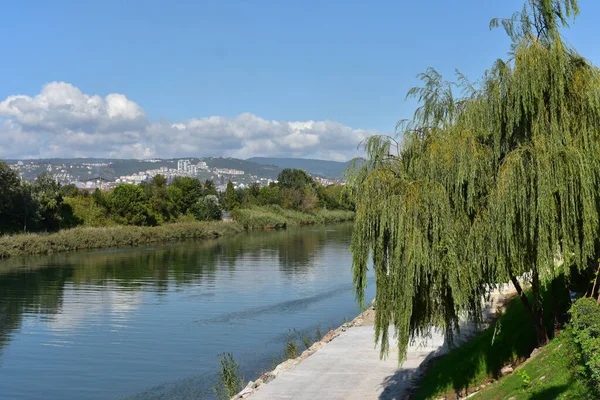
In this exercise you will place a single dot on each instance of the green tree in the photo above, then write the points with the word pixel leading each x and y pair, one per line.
pixel 69 190
pixel 184 192
pixel 10 187
pixel 48 195
pixel 209 188
pixel 291 198
pixel 231 199
pixel 299 189
pixel 309 200
pixel 335 197
pixel 207 209
pixel 160 203
pixel 86 211
pixel 18 210
pixel 270 194
pixel 295 179
pixel 28 210
pixel 254 190
pixel 127 204
pixel 99 198
pixel 488 187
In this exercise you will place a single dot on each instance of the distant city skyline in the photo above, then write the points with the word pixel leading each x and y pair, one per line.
pixel 146 79
pixel 87 174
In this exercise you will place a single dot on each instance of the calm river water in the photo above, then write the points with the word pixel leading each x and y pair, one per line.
pixel 149 323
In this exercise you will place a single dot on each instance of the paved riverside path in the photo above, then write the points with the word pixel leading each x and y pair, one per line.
pixel 349 367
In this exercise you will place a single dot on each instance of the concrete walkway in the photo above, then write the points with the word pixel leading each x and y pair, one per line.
pixel 349 368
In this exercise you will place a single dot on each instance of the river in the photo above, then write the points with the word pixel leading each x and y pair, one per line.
pixel 150 322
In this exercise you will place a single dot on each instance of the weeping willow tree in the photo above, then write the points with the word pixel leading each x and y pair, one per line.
pixel 495 183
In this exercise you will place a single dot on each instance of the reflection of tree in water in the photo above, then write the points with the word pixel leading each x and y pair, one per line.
pixel 36 284
pixel 296 249
pixel 39 289
pixel 30 292
pixel 299 252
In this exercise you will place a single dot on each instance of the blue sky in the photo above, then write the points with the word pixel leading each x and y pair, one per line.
pixel 347 62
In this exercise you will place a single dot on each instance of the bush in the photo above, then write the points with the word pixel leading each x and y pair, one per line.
pixel 585 323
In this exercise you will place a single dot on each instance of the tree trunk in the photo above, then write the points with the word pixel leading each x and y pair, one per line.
pixel 595 281
pixel 555 308
pixel 539 309
pixel 538 323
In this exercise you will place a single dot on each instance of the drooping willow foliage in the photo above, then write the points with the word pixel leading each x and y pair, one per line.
pixel 497 182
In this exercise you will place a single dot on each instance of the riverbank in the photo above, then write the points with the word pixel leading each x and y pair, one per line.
pixel 89 238
pixel 92 238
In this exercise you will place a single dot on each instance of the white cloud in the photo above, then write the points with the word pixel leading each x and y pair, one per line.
pixel 62 121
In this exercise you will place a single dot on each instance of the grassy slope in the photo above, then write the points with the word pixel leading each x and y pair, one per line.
pixel 465 368
pixel 550 375
pixel 509 340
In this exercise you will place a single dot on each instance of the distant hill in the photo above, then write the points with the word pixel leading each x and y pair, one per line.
pixel 326 169
pixel 249 166
pixel 111 168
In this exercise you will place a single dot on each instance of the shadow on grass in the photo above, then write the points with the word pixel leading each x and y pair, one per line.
pixel 511 338
pixel 395 385
pixel 553 392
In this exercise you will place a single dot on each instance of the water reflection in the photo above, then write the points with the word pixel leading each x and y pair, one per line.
pixel 137 317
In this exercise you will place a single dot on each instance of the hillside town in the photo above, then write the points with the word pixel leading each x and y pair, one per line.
pixel 99 175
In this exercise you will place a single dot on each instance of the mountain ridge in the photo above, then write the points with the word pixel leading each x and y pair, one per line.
pixel 323 168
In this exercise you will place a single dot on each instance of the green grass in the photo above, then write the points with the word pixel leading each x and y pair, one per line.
pixel 275 217
pixel 479 360
pixel 462 370
pixel 85 238
pixel 550 375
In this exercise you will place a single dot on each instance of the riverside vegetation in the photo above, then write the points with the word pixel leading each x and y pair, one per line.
pixel 45 217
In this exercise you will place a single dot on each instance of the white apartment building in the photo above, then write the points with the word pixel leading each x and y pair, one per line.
pixel 182 165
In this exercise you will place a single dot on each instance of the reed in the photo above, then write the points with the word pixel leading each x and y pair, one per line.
pixel 86 238
pixel 276 217
pixel 229 378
